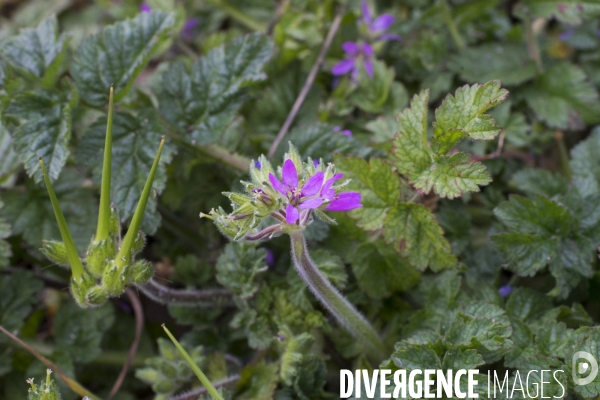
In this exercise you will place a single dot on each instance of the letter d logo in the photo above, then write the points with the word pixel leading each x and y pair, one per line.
pixel 580 368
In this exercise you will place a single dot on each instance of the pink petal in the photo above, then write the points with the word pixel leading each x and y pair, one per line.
pixel 313 185
pixel 347 132
pixel 343 67
pixel 345 202
pixel 351 48
pixel 291 214
pixel 277 185
pixel 382 23
pixel 369 67
pixel 326 191
pixel 310 204
pixel 366 12
pixel 289 176
pixel 367 49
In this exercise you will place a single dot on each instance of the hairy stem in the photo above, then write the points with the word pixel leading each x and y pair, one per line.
pixel 458 40
pixel 192 298
pixel 331 298
pixel 193 394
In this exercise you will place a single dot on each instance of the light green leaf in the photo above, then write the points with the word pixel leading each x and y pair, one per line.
pixel 539 215
pixel 480 333
pixel 117 55
pixel 376 182
pixel 383 129
pixel 585 339
pixel 373 92
pixel 238 266
pixel 526 253
pixel 527 305
pixel 380 272
pixel 414 233
pixel 411 154
pixel 585 166
pixel 38 52
pixel 540 182
pixel 44 131
pixel 571 12
pixel 417 356
pixel 564 98
pixel 20 291
pixel 456 359
pixel 464 115
pixel 135 140
pixel 9 162
pixel 452 176
pixel 203 102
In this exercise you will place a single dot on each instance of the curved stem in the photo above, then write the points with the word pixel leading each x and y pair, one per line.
pixel 458 40
pixel 181 297
pixel 331 298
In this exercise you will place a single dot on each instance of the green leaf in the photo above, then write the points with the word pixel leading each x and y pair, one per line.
pixel 564 98
pixel 541 182
pixel 383 129
pixel 414 233
pixel 508 63
pixel 20 291
pixel 373 92
pixel 38 52
pixel 117 55
pixel 30 212
pixel 527 305
pixel 571 12
pixel 453 176
pixel 258 381
pixel 378 185
pixel 237 267
pixel 456 359
pixel 585 339
pixel 526 253
pixel 411 154
pixel 484 334
pixel 203 102
pixel 79 331
pixel 5 251
pixel 135 140
pixel 464 115
pixel 538 216
pixel 584 164
pixel 9 162
pixel 417 356
pixel 380 272
pixel 44 131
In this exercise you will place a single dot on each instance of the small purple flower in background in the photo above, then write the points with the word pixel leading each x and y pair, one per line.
pixel 379 25
pixel 358 53
pixel 505 290
pixel 257 164
pixel 346 132
pixel 270 258
pixel 566 35
pixel 188 29
pixel 145 8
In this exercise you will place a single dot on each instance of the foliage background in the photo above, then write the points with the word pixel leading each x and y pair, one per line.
pixel 512 271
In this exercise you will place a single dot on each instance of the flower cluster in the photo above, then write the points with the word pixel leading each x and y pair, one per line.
pixel 301 191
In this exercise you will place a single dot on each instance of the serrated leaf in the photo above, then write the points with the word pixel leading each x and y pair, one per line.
pixel 456 359
pixel 30 211
pixel 79 331
pixel 527 305
pixel 584 339
pixel 203 102
pixel 36 51
pixel 135 140
pixel 571 12
pixel 373 92
pixel 464 115
pixel 414 233
pixel 378 185
pixel 470 332
pixel 508 63
pixel 540 182
pixel 44 131
pixel 526 253
pixel 20 291
pixel 380 272
pixel 452 176
pixel 564 98
pixel 411 153
pixel 418 356
pixel 584 164
pixel 5 231
pixel 117 55
pixel 383 129
pixel 9 162
pixel 539 216
pixel 237 267
pixel 258 381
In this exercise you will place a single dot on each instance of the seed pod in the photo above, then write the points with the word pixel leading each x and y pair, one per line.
pixel 99 254
pixel 113 280
pixel 148 375
pixel 140 272
pixel 163 386
pixel 80 287
pixel 56 252
pixel 96 296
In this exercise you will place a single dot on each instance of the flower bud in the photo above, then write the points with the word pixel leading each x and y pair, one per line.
pixel 80 287
pixel 113 280
pixel 99 254
pixel 56 252
pixel 46 391
pixel 96 296
pixel 167 350
pixel 138 243
pixel 148 375
pixel 163 386
pixel 140 272
pixel 114 227
pixel 167 369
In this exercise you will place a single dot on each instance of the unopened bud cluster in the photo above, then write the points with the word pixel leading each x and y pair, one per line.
pixel 44 391
pixel 169 372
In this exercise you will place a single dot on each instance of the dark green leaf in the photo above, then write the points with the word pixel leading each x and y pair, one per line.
pixel 20 291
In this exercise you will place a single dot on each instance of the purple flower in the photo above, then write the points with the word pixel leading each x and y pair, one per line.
pixel 346 132
pixel 270 258
pixel 505 290
pixel 314 193
pixel 379 25
pixel 357 54
pixel 188 29
pixel 257 164
pixel 145 8
pixel 566 35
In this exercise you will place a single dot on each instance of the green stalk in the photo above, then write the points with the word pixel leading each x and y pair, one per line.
pixel 331 298
pixel 123 257
pixel 104 210
pixel 203 379
pixel 458 40
pixel 72 256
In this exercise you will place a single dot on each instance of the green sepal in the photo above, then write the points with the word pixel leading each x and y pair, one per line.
pixel 46 391
pixel 140 272
pixel 56 252
pixel 261 175
pixel 124 255
pixel 113 279
pixel 324 217
pixel 163 386
pixel 139 243
pixel 148 375
pixel 80 287
pixel 96 296
pixel 99 254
